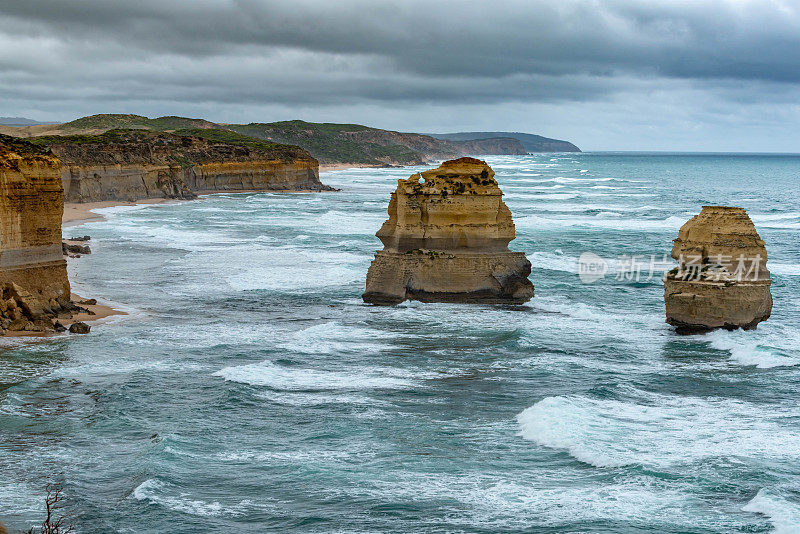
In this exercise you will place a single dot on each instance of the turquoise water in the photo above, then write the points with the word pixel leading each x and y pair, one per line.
pixel 250 390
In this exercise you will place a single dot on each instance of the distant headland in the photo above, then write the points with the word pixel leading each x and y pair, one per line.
pixel 531 142
pixel 331 144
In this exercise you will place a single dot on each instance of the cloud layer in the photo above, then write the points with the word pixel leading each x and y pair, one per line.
pixel 658 68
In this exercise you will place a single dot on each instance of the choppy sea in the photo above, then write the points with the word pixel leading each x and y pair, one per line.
pixel 250 390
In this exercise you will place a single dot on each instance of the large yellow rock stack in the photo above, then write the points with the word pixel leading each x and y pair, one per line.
pixel 447 240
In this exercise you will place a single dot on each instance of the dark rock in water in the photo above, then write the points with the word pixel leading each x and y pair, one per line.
pixel 79 328
pixel 59 327
pixel 84 238
pixel 66 248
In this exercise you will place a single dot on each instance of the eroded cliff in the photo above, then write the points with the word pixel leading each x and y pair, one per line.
pixel 33 274
pixel 722 280
pixel 446 239
pixel 135 164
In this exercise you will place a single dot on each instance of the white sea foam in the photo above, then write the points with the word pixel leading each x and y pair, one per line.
pixel 535 221
pixel 19 497
pixel 171 235
pixel 281 377
pixel 154 491
pixel 337 338
pixel 762 217
pixel 291 268
pixel 788 220
pixel 784 269
pixel 782 513
pixel 554 261
pixel 547 500
pixel 745 350
pixel 159 493
pixel 300 398
pixel 660 431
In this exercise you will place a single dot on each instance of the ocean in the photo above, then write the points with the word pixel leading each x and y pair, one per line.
pixel 250 390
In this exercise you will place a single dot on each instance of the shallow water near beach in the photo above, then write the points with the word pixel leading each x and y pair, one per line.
pixel 251 390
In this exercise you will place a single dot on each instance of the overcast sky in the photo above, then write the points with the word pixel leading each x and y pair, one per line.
pixel 706 75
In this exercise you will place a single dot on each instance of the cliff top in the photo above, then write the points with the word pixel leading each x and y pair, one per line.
pixel 9 143
pixel 327 142
pixel 184 148
pixel 129 121
pixel 14 150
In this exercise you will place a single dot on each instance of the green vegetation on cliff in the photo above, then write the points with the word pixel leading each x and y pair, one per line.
pixel 327 142
pixel 334 143
pixel 232 138
pixel 10 143
pixel 184 148
pixel 137 122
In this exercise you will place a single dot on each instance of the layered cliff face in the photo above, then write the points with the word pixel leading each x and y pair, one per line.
pixel 133 164
pixel 33 273
pixel 446 240
pixel 722 280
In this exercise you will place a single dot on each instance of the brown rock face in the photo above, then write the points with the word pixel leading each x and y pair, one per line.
pixel 31 205
pixel 722 279
pixel 446 240
pixel 133 165
pixel 33 273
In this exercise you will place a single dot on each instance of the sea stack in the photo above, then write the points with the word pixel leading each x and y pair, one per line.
pixel 446 240
pixel 722 279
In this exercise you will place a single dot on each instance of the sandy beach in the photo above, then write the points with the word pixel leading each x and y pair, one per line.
pixel 76 213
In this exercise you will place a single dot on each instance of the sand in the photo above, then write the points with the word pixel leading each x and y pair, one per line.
pixel 79 213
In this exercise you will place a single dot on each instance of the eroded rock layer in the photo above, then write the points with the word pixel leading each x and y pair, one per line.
pixel 132 165
pixel 722 280
pixel 446 240
pixel 33 273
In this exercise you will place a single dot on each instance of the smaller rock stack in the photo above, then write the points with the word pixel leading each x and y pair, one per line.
pixel 446 240
pixel 722 279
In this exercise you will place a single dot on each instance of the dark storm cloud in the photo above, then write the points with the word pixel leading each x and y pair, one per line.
pixel 238 58
pixel 722 38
